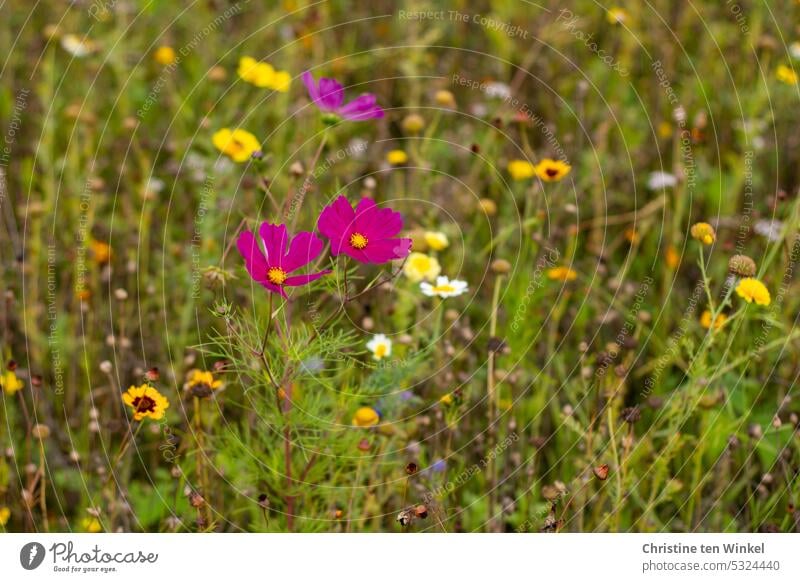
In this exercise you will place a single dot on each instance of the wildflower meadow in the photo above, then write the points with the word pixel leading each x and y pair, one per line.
pixel 332 266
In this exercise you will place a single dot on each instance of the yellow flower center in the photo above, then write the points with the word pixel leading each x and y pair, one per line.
pixel 380 351
pixel 276 275
pixel 358 241
pixel 235 146
pixel 444 289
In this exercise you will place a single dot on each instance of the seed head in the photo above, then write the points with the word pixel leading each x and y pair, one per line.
pixel 742 265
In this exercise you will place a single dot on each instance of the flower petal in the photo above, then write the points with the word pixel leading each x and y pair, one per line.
pixel 382 251
pixel 358 105
pixel 377 223
pixel 336 219
pixel 373 113
pixel 331 94
pixel 253 256
pixel 304 248
pixel 311 85
pixel 298 280
pixel 275 238
pixel 275 288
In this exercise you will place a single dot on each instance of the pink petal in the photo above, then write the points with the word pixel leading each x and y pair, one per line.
pixel 338 245
pixel 275 239
pixel 377 223
pixel 305 247
pixel 254 259
pixel 380 251
pixel 365 205
pixel 358 105
pixel 385 250
pixel 274 288
pixel 336 219
pixel 381 223
pixel 311 85
pixel 298 280
pixel 331 94
pixel 373 113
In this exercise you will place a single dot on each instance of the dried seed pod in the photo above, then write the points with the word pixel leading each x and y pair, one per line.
pixel 40 431
pixel 631 414
pixel 742 265
pixel 500 266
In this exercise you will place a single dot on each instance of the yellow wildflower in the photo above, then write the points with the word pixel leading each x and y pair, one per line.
pixel 616 15
pixel 91 525
pixel 10 383
pixel 436 240
pixel 101 252
pixel 238 144
pixel 552 170
pixel 5 515
pixel 165 55
pixel 397 157
pixel 719 321
pixel 751 289
pixel 420 266
pixel 672 257
pixel 146 401
pixel 786 75
pixel 263 75
pixel 703 232
pixel 281 81
pixel 446 400
pixel 561 274
pixel 256 73
pixel 521 169
pixel 366 416
pixel 201 379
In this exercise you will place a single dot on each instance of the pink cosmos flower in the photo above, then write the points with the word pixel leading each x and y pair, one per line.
pixel 329 97
pixel 269 262
pixel 364 234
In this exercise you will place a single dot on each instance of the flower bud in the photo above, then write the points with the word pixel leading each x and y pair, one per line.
pixel 413 123
pixel 445 98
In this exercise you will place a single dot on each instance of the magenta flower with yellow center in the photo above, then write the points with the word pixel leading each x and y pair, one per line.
pixel 365 233
pixel 328 96
pixel 271 261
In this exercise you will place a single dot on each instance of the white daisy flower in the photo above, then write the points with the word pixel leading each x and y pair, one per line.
pixel 380 346
pixel 444 288
pixel 77 46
